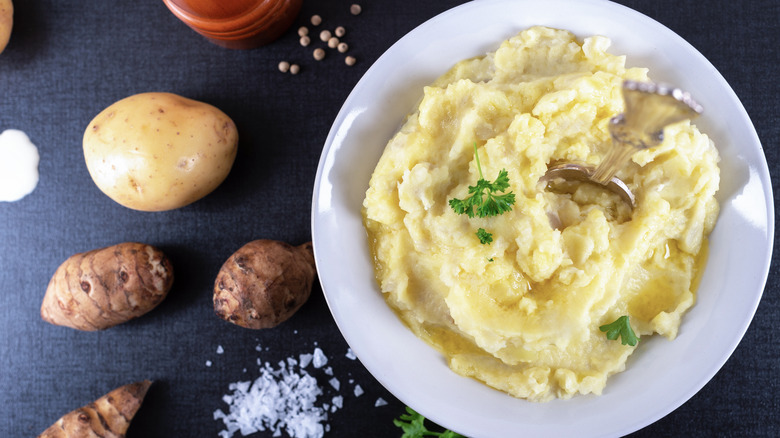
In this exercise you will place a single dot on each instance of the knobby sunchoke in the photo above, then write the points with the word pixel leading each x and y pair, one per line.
pixel 107 417
pixel 104 287
pixel 264 283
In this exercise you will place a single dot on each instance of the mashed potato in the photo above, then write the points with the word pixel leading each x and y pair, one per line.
pixel 522 314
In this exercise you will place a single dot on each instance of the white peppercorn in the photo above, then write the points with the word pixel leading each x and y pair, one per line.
pixel 294 69
pixel 284 66
pixel 305 40
pixel 333 42
pixel 340 31
pixel 319 54
pixel 349 60
pixel 316 20
pixel 303 31
pixel 342 47
pixel 355 9
pixel 325 35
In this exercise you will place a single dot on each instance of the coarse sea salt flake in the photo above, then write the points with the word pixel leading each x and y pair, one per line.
pixel 351 354
pixel 380 402
pixel 279 400
pixel 358 391
pixel 319 359
pixel 334 382
pixel 220 350
pixel 305 359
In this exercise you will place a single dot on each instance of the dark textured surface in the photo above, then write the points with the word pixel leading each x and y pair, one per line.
pixel 68 60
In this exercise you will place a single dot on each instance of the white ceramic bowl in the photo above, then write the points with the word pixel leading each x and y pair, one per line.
pixel 661 374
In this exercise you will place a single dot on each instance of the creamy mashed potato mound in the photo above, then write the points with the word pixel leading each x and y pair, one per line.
pixel 522 314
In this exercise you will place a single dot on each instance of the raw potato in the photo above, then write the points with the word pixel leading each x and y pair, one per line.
pixel 264 283
pixel 159 151
pixel 6 22
pixel 107 417
pixel 104 287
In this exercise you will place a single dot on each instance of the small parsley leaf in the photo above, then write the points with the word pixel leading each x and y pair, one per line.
pixel 484 236
pixel 620 327
pixel 484 199
pixel 413 426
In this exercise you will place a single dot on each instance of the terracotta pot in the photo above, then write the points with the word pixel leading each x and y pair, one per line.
pixel 237 24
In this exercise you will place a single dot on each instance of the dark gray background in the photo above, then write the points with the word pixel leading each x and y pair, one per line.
pixel 68 60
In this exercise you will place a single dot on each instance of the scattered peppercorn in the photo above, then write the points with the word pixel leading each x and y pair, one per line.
pixel 332 39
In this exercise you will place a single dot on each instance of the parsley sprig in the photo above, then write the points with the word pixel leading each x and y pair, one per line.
pixel 620 327
pixel 484 236
pixel 484 200
pixel 413 426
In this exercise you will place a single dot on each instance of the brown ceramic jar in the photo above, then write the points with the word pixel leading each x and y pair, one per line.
pixel 237 24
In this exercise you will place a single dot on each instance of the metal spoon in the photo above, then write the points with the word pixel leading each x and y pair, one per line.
pixel 648 109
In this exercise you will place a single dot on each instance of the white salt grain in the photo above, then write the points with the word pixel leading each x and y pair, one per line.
pixel 279 400
pixel 334 382
pixel 319 360
pixel 328 371
pixel 351 354
pixel 380 402
pixel 338 401
pixel 305 359
pixel 358 391
pixel 220 350
pixel 208 363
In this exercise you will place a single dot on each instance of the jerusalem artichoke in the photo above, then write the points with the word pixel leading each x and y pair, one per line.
pixel 264 283
pixel 104 287
pixel 107 417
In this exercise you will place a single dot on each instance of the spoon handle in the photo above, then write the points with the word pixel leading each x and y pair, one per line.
pixel 648 109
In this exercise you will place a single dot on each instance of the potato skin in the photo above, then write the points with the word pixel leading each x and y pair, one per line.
pixel 104 287
pixel 107 417
pixel 264 283
pixel 6 22
pixel 159 151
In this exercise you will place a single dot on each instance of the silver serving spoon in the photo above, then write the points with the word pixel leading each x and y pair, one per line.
pixel 648 109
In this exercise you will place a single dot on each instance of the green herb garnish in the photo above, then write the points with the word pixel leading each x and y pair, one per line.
pixel 484 200
pixel 413 426
pixel 620 327
pixel 484 236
